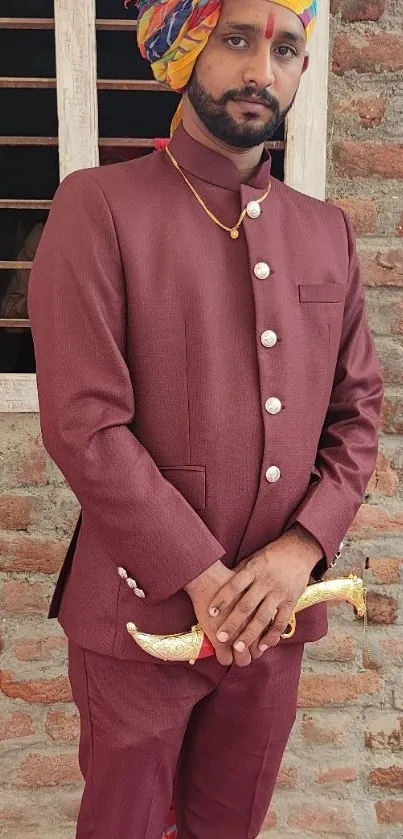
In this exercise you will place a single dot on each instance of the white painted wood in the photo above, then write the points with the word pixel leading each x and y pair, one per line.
pixel 306 130
pixel 76 72
pixel 18 393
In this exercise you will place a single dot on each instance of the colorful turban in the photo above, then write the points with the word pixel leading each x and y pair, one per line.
pixel 172 33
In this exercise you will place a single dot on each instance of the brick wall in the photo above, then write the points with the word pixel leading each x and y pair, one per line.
pixel 342 775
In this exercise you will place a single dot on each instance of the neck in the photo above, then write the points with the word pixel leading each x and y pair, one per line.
pixel 246 160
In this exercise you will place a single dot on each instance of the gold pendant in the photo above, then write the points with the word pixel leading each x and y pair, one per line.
pixel 234 233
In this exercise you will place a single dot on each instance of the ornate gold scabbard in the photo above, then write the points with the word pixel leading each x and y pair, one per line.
pixel 193 645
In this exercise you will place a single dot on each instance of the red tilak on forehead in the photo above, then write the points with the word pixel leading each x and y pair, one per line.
pixel 269 26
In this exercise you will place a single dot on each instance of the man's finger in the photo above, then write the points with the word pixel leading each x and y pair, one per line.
pixel 224 655
pixel 279 625
pixel 259 623
pixel 240 616
pixel 242 659
pixel 230 592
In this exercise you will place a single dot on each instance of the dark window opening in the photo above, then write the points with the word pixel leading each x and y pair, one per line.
pixel 29 167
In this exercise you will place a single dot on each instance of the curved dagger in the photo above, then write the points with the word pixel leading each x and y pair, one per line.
pixel 193 645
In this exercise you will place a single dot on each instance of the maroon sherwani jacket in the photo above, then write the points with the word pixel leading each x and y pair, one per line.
pixel 160 345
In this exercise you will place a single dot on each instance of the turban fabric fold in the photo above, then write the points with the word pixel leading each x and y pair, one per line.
pixel 172 33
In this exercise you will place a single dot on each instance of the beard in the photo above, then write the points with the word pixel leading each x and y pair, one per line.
pixel 214 115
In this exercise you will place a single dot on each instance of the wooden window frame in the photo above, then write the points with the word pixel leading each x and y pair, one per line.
pixel 77 106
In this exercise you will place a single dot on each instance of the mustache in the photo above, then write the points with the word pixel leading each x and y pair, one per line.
pixel 262 97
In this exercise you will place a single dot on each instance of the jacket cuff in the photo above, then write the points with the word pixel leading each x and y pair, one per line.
pixel 331 549
pixel 175 570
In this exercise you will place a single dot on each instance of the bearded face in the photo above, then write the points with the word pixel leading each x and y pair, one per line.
pixel 246 78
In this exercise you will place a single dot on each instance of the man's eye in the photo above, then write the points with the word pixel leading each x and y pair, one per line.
pixel 286 52
pixel 236 42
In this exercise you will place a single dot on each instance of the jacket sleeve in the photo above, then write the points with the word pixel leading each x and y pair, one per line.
pixel 349 442
pixel 77 308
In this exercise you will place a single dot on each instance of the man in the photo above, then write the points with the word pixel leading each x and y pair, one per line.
pixel 209 388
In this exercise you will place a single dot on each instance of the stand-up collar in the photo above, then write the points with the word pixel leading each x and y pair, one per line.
pixel 213 167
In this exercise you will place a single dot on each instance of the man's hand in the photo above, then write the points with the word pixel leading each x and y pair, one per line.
pixel 201 591
pixel 254 606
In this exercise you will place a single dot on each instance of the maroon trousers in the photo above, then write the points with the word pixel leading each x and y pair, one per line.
pixel 209 738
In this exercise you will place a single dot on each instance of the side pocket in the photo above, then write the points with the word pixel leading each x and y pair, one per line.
pixel 322 293
pixel 190 481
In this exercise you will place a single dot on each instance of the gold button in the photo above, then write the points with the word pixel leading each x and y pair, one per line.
pixel 253 209
pixel 273 474
pixel 262 270
pixel 269 338
pixel 273 405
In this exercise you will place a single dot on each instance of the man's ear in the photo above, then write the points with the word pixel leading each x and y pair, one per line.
pixel 305 64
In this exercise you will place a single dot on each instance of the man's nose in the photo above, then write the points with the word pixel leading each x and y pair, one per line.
pixel 259 71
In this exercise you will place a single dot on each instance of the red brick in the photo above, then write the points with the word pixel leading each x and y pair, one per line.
pixel 356 10
pixel 71 809
pixel 40 690
pixel 62 726
pixel 393 649
pixel 361 211
pixel 372 520
pixel 10 816
pixel 333 731
pixel 32 469
pixel 39 770
pixel 387 776
pixel 391 419
pixel 339 775
pixel 389 812
pixel 369 110
pixel 369 53
pixel 383 268
pixel 390 355
pixel 334 647
pixel 21 596
pixel 270 820
pixel 324 819
pixel 386 569
pixel 288 777
pixel 39 649
pixel 15 726
pixel 15 511
pixel 360 159
pixel 328 689
pixel 385 314
pixel 24 553
pixel 381 608
pixel 385 732
pixel 384 480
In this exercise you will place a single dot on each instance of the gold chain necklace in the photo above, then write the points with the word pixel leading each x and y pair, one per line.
pixel 233 231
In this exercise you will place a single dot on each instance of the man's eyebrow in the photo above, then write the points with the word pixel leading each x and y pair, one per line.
pixel 286 35
pixel 243 27
pixel 255 29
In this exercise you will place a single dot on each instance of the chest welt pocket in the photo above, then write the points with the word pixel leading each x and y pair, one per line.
pixel 190 481
pixel 322 293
